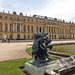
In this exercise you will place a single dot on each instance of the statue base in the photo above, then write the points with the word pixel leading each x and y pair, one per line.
pixel 39 69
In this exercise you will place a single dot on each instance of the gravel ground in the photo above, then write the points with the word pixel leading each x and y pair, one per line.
pixel 12 51
pixel 17 50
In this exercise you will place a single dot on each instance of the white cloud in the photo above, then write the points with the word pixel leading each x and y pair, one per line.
pixel 1 4
pixel 62 9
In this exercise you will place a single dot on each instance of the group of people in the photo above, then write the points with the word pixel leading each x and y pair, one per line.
pixel 40 46
pixel 5 40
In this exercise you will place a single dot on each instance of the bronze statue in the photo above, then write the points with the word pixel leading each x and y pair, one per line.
pixel 40 46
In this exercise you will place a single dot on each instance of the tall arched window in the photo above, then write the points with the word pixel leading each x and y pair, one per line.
pixel 32 37
pixel 40 29
pixel 24 28
pixel 28 28
pixel 28 37
pixel 11 37
pixel 43 29
pixel 49 29
pixel 24 36
pixel 0 17
pixel 0 36
pixel 32 29
pixel 18 36
pixel 18 27
pixel 0 26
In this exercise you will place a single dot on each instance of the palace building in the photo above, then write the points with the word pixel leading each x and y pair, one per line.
pixel 13 26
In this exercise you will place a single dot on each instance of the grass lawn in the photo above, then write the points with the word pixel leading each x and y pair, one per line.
pixel 13 67
pixel 66 49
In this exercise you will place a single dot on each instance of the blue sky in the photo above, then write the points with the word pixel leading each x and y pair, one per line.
pixel 61 9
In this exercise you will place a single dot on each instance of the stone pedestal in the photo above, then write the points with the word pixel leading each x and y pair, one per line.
pixel 40 70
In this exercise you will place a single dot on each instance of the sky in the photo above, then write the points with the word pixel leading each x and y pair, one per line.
pixel 61 9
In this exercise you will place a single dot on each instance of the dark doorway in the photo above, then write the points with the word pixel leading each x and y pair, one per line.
pixel 40 29
pixel 18 36
pixel 24 36
pixel 11 37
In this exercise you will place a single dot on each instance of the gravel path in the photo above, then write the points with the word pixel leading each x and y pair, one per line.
pixel 12 51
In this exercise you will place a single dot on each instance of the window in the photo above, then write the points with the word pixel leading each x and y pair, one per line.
pixel 24 19
pixel 5 17
pixel 40 29
pixel 10 18
pixel 31 28
pixel 0 17
pixel 28 37
pixel 43 21
pixel 18 28
pixel 28 28
pixel 18 36
pixel 40 21
pixel 37 21
pixel 43 29
pixel 24 28
pixel 48 23
pixel 31 20
pixel 28 20
pixel 17 19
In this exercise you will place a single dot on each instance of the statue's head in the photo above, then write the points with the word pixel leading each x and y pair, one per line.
pixel 48 40
pixel 36 35
pixel 39 34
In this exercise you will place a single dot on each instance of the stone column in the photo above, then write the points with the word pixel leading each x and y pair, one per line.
pixel 51 29
pixel 20 27
pixel 56 30
pixel 30 36
pixel 42 29
pixel 34 29
pixel 13 27
pixel 8 27
pixel 0 27
pixel 3 27
pixel 16 27
pixel 45 29
pixel 14 36
pixel 8 35
pixel 48 29
pixel 51 36
pixel 30 29
pixel 59 30
pixel 23 28
pixel 21 36
pixel 26 36
pixel 38 29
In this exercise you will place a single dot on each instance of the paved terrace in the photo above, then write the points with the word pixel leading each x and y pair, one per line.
pixel 17 49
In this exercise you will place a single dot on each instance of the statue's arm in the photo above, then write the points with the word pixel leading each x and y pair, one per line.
pixel 50 47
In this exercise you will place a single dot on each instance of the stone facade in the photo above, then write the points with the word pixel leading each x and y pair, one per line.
pixel 13 26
